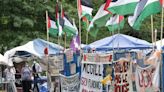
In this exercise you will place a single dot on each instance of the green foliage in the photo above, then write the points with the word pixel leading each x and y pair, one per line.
pixel 24 20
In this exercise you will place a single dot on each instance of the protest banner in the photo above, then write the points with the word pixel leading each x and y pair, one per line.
pixel 122 77
pixel 91 77
pixel 147 79
pixel 70 84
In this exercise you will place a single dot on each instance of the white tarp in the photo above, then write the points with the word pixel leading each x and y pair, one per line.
pixel 3 60
pixel 35 47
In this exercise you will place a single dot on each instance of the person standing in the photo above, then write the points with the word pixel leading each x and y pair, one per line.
pixel 26 75
pixel 37 69
pixel 10 78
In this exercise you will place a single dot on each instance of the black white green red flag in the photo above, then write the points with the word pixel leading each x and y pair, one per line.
pixel 68 26
pixel 100 18
pixel 162 3
pixel 52 27
pixel 121 7
pixel 85 9
pixel 115 23
pixel 143 9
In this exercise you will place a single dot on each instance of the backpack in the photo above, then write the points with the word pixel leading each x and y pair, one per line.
pixel 26 74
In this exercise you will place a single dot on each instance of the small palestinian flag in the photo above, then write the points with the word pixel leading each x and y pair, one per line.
pixel 85 8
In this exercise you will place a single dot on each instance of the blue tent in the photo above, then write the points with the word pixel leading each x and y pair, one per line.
pixel 119 41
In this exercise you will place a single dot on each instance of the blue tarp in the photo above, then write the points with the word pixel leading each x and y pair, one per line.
pixel 119 41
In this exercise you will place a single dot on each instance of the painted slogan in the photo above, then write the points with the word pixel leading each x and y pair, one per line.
pixel 147 79
pixel 91 77
pixel 70 84
pixel 122 80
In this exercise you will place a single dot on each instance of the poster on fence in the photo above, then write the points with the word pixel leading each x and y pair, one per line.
pixel 70 84
pixel 147 79
pixel 122 77
pixel 91 77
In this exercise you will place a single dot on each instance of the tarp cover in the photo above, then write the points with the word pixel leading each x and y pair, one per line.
pixel 119 41
pixel 35 47
pixel 2 60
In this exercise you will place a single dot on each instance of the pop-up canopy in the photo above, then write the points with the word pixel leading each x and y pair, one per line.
pixel 35 47
pixel 119 41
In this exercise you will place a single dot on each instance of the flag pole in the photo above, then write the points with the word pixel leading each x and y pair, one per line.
pixel 87 32
pixel 47 25
pixel 48 77
pixel 79 25
pixel 161 27
pixel 155 38
pixel 152 32
pixel 162 16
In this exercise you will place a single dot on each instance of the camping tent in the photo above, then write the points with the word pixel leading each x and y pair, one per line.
pixel 35 47
pixel 119 41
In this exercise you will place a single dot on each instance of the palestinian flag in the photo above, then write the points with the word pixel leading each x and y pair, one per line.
pixel 115 22
pixel 121 7
pixel 144 9
pixel 162 3
pixel 60 21
pixel 53 30
pixel 68 26
pixel 85 8
pixel 100 18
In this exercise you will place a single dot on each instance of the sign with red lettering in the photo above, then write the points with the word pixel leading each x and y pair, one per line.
pixel 91 77
pixel 147 79
pixel 122 78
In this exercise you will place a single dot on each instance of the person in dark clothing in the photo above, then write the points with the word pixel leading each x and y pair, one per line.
pixel 36 68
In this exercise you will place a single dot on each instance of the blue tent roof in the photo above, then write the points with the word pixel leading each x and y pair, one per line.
pixel 119 41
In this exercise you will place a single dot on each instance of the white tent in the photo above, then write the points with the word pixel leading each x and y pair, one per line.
pixel 158 44
pixel 35 47
pixel 3 60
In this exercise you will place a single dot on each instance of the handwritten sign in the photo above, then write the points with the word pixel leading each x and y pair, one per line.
pixel 122 78
pixel 91 77
pixel 70 84
pixel 147 79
